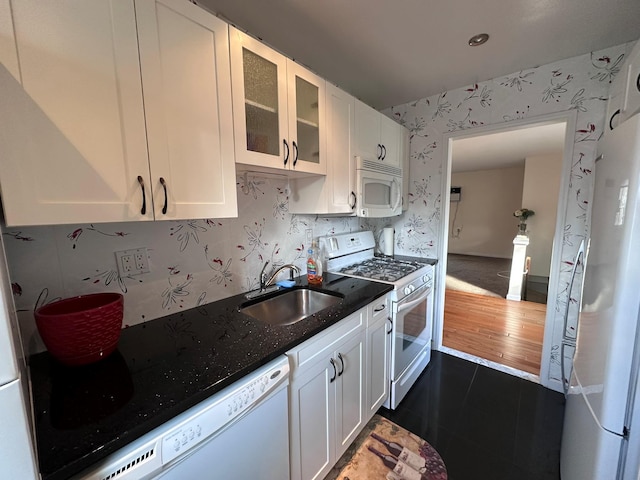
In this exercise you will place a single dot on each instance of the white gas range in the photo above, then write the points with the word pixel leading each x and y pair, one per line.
pixel 352 254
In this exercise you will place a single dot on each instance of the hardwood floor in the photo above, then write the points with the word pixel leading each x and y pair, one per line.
pixel 496 329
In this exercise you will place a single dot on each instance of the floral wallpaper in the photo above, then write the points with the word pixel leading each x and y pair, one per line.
pixel 580 83
pixel 193 262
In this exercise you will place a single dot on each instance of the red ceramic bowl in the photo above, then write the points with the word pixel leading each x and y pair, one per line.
pixel 82 329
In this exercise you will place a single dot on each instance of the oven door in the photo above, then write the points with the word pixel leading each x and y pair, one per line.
pixel 412 328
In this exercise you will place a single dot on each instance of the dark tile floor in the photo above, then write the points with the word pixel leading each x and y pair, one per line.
pixel 485 424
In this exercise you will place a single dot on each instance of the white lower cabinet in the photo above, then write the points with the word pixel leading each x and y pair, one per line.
pixel 339 379
pixel 377 354
pixel 327 397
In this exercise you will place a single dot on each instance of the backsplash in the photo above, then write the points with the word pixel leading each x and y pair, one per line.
pixel 200 261
pixel 579 83
pixel 192 262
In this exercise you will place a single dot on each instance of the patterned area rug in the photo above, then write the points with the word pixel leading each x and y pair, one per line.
pixel 385 451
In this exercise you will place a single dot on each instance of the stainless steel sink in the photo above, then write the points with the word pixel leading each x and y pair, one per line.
pixel 290 306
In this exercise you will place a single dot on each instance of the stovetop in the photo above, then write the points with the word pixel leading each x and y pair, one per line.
pixel 384 269
pixel 352 254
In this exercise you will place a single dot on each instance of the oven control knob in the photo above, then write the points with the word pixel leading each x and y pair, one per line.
pixel 426 278
pixel 407 290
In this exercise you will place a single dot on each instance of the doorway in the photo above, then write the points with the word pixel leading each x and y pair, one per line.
pixel 493 158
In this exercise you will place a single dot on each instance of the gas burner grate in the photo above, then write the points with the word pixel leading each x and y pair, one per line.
pixel 380 268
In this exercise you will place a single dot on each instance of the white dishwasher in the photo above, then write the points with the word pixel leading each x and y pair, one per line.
pixel 240 432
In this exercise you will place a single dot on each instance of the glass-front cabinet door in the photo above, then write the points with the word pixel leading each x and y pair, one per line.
pixel 278 109
pixel 259 89
pixel 306 119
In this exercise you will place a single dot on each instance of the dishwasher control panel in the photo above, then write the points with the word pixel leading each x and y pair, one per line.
pixel 224 409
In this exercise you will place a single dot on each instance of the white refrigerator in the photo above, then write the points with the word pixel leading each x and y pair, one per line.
pixel 17 452
pixel 599 439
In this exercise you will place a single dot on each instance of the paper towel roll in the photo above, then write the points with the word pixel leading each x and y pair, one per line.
pixel 387 241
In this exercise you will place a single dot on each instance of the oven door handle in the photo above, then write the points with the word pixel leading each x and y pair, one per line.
pixel 412 303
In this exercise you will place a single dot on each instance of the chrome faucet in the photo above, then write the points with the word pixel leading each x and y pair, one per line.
pixel 291 268
pixel 266 284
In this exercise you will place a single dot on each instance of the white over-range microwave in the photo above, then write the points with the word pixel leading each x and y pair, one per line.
pixel 379 189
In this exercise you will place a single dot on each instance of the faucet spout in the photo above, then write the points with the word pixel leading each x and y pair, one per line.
pixel 292 268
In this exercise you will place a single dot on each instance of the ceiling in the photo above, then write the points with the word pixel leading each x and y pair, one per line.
pixel 506 149
pixel 389 52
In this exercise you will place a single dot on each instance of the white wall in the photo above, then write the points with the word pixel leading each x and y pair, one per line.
pixel 482 223
pixel 540 194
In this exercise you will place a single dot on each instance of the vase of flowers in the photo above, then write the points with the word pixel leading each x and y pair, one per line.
pixel 522 215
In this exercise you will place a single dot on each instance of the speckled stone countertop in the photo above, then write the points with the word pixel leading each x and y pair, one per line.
pixel 160 369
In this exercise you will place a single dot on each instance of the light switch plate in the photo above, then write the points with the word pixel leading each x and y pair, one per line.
pixel 132 262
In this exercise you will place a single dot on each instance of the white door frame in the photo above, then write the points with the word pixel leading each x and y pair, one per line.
pixel 568 117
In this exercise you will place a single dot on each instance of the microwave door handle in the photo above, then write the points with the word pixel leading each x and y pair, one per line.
pixel 399 190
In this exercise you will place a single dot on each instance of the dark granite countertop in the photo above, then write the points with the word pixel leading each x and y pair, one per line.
pixel 160 369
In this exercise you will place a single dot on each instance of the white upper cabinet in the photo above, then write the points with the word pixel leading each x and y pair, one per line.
pixel 278 109
pixel 335 193
pixel 74 145
pixel 390 140
pixel 377 136
pixel 8 53
pixel 186 78
pixel 72 130
pixel 367 144
pixel 341 168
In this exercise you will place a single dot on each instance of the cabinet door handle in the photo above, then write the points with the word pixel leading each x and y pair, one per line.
pixel 353 205
pixel 384 152
pixel 143 210
pixel 379 309
pixel 342 363
pixel 335 371
pixel 617 112
pixel 286 155
pixel 390 325
pixel 379 152
pixel 164 185
pixel 295 153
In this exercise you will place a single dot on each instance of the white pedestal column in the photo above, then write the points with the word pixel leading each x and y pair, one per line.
pixel 517 267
